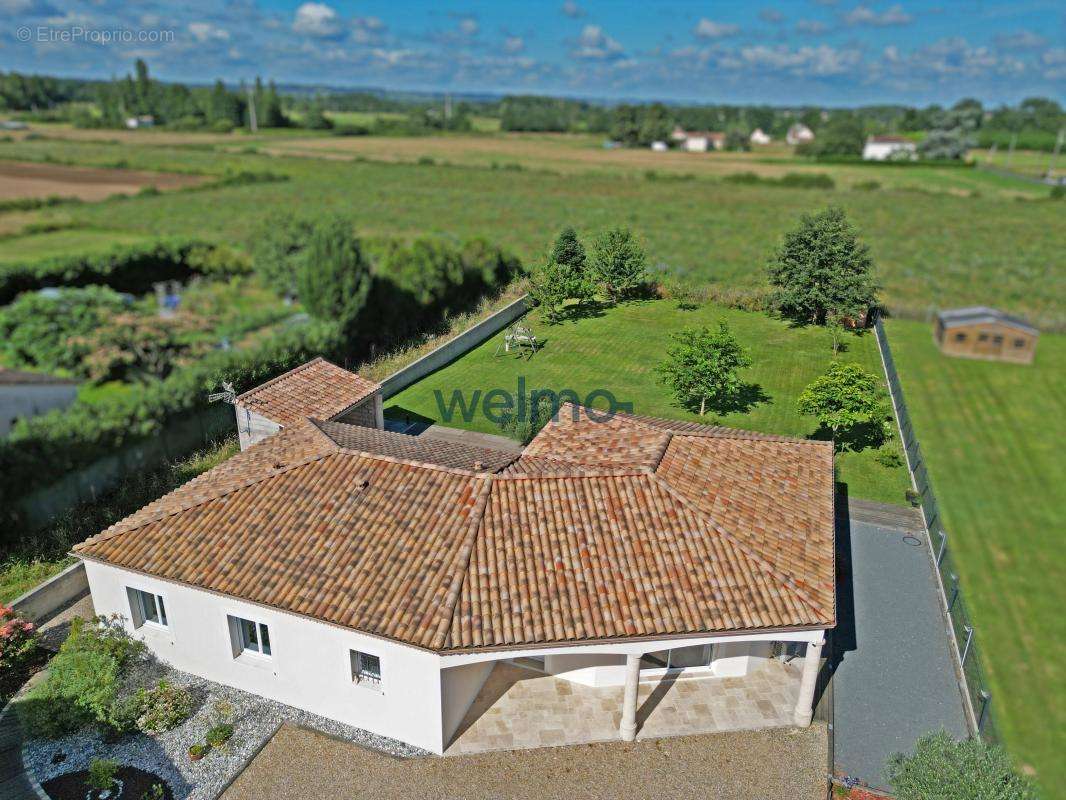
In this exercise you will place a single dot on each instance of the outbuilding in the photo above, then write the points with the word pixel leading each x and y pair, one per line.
pixel 27 394
pixel 889 148
pixel 983 332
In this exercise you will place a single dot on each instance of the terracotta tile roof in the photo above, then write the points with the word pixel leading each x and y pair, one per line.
pixel 318 389
pixel 632 530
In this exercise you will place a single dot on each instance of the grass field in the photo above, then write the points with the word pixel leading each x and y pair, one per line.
pixel 717 232
pixel 18 249
pixel 992 436
pixel 618 350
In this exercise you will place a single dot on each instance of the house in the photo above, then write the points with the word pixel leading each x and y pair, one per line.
pixel 698 141
pixel 758 136
pixel 146 121
pixel 27 394
pixel 381 579
pixel 317 388
pixel 889 148
pixel 982 332
pixel 798 133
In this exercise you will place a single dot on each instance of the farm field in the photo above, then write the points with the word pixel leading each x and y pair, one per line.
pixel 715 231
pixel 992 438
pixel 617 350
pixel 19 179
pixel 38 246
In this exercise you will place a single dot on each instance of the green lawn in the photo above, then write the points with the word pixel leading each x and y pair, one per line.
pixel 19 249
pixel 618 352
pixel 992 435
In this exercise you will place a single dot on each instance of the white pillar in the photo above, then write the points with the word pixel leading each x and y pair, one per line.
pixel 628 729
pixel 805 702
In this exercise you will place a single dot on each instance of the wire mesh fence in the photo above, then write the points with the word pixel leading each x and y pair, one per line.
pixel 967 646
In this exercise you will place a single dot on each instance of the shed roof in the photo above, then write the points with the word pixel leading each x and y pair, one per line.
pixel 977 314
pixel 628 528
pixel 318 389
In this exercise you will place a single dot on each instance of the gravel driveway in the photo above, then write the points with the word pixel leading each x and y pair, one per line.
pixel 301 764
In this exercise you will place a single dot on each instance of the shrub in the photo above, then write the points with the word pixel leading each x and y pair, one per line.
pixel 219 260
pixel 154 792
pixel 199 750
pixel 82 681
pixel 1058 192
pixel 102 774
pixel 807 180
pixel 162 708
pixel 334 277
pixel 867 186
pixel 889 458
pixel 18 640
pixel 219 735
pixel 943 768
pixel 532 415
pixel 618 263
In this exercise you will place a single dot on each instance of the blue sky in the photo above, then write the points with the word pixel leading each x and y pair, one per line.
pixel 834 52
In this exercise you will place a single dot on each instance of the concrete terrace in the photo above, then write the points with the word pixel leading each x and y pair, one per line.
pixel 520 708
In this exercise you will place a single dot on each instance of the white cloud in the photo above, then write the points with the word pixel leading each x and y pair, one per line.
pixel 514 44
pixel 595 45
pixel 864 15
pixel 206 32
pixel 572 9
pixel 1019 40
pixel 813 26
pixel 818 61
pixel 317 19
pixel 709 29
pixel 468 26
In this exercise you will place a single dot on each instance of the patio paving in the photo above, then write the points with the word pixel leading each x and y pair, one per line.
pixel 518 708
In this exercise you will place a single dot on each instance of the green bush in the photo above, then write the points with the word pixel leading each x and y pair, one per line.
pixel 945 769
pixel 807 180
pixel 219 735
pixel 130 268
pixel 159 709
pixel 101 774
pixel 83 680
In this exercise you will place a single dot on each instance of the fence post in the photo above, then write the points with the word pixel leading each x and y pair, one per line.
pixel 966 647
pixel 943 544
pixel 986 698
pixel 954 592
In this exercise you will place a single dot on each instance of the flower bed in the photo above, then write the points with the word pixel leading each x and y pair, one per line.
pixel 135 784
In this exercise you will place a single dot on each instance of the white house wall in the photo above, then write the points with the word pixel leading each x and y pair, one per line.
pixel 253 427
pixel 459 686
pixel 28 400
pixel 310 667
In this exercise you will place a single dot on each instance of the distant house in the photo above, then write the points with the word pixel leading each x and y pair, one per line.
pixel 758 136
pixel 698 141
pixel 146 121
pixel 982 332
pixel 799 134
pixel 27 394
pixel 889 148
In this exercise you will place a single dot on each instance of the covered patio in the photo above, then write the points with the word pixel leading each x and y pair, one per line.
pixel 518 707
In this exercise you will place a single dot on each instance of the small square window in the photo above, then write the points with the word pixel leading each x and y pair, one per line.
pixel 366 669
pixel 997 340
pixel 960 337
pixel 147 608
pixel 251 637
pixel 982 337
pixel 1019 343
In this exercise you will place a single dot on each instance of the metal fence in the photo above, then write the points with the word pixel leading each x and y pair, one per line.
pixel 967 648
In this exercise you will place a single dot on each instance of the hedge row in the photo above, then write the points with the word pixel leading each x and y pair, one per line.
pixel 129 268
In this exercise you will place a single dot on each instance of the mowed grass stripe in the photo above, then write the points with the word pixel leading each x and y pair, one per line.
pixel 992 436
pixel 619 350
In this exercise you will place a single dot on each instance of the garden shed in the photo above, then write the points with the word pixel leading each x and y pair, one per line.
pixel 982 332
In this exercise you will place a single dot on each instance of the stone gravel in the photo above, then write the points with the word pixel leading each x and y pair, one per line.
pixel 255 719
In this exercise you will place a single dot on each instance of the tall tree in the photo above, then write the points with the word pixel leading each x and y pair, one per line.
pixel 702 365
pixel 569 254
pixel 619 265
pixel 822 268
pixel 334 277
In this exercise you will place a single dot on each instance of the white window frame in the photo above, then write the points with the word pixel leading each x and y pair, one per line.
pixel 139 610
pixel 241 642
pixel 672 670
pixel 363 677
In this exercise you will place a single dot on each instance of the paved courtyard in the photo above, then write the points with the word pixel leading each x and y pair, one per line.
pixel 298 764
pixel 520 708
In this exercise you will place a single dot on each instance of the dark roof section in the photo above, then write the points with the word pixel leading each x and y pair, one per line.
pixel 19 377
pixel 977 314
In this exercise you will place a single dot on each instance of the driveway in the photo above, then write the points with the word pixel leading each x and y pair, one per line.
pixel 895 677
pixel 299 764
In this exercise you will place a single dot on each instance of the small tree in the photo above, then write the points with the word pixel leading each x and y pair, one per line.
pixel 845 397
pixel 334 279
pixel 278 247
pixel 948 770
pixel 569 254
pixel 701 368
pixel 549 288
pixel 822 268
pixel 618 263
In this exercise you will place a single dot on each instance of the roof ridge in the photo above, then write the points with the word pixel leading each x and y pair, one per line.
pixel 287 373
pixel 604 472
pixel 743 548
pixel 118 530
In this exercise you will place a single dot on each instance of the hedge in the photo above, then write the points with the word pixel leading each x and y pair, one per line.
pixel 129 268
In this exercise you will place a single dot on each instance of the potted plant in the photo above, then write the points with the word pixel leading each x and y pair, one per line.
pixel 198 751
pixel 219 735
pixel 102 783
